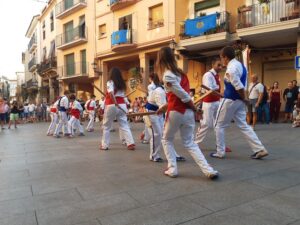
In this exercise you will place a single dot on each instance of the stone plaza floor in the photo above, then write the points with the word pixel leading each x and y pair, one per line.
pixel 48 181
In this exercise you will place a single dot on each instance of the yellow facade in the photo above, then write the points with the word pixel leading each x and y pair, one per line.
pixel 81 79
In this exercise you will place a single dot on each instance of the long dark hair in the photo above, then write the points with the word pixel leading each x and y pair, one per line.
pixel 154 77
pixel 116 76
pixel 166 61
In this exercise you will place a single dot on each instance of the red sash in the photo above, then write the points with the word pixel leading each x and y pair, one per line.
pixel 212 97
pixel 175 103
pixel 53 110
pixel 75 113
pixel 109 100
pixel 89 107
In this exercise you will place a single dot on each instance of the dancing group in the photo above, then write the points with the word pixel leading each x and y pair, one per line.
pixel 171 109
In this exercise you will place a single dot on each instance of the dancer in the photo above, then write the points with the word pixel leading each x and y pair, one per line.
pixel 54 118
pixel 233 106
pixel 180 115
pixel 115 107
pixel 90 107
pixel 210 105
pixel 63 106
pixel 74 122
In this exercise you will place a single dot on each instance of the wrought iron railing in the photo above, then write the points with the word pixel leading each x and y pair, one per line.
pixel 31 42
pixel 31 84
pixel 121 37
pixel 217 23
pixel 74 34
pixel 64 5
pixel 47 65
pixel 32 63
pixel 272 12
pixel 156 24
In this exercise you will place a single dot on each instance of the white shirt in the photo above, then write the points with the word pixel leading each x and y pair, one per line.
pixel 26 108
pixel 255 91
pixel 158 97
pixel 172 84
pixel 209 80
pixel 91 102
pixel 31 107
pixel 101 104
pixel 234 73
pixel 64 102
pixel 151 87
pixel 111 89
pixel 76 105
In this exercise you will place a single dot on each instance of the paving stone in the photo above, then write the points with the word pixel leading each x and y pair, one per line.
pixel 22 219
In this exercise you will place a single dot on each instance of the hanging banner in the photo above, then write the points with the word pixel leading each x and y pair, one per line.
pixel 199 26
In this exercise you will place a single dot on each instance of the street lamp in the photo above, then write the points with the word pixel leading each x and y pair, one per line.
pixel 96 69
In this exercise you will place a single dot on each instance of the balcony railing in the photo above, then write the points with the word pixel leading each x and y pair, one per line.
pixel 155 24
pixel 205 25
pixel 272 12
pixel 32 64
pixel 32 43
pixel 121 37
pixel 65 7
pixel 119 4
pixel 47 65
pixel 32 84
pixel 74 69
pixel 74 36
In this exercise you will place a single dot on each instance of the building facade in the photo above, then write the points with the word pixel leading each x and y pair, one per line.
pixel 75 44
pixel 47 66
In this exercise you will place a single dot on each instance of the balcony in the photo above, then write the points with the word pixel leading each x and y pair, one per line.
pixel 120 4
pixel 67 7
pixel 155 24
pixel 49 65
pixel 32 65
pixel 32 84
pixel 260 23
pixel 122 40
pixel 205 32
pixel 71 38
pixel 32 44
pixel 74 71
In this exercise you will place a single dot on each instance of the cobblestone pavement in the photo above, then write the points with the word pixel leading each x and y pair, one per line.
pixel 48 181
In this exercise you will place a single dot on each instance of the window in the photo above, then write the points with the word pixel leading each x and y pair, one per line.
pixel 156 18
pixel 69 65
pixel 206 5
pixel 82 26
pixel 44 54
pixel 52 21
pixel 102 30
pixel 68 32
pixel 83 61
pixel 44 30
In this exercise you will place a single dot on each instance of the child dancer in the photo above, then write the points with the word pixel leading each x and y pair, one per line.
pixel 74 122
pixel 115 107
pixel 90 107
pixel 54 118
pixel 180 115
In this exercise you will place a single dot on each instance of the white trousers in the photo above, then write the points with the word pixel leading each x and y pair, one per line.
pixel 155 134
pixel 147 134
pixel 234 110
pixel 186 124
pixel 73 124
pixel 54 121
pixel 110 113
pixel 63 121
pixel 208 120
pixel 91 120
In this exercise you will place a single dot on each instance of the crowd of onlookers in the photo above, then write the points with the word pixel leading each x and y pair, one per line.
pixel 265 102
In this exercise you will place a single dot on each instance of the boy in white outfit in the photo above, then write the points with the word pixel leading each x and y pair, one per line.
pixel 90 107
pixel 75 111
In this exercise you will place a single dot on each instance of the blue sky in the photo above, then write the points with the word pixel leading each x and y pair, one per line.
pixel 15 16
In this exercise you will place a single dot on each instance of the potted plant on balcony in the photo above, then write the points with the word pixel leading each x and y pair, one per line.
pixel 135 77
pixel 265 6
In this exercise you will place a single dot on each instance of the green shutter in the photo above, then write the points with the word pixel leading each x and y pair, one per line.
pixel 83 62
pixel 70 65
pixel 68 4
pixel 199 6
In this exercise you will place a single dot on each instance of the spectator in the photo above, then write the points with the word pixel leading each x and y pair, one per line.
pixel 296 113
pixel 263 109
pixel 21 112
pixel 288 97
pixel 31 110
pixel 255 94
pixel 44 111
pixel 275 102
pixel 7 110
pixel 39 112
pixel 2 113
pixel 14 114
pixel 26 112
